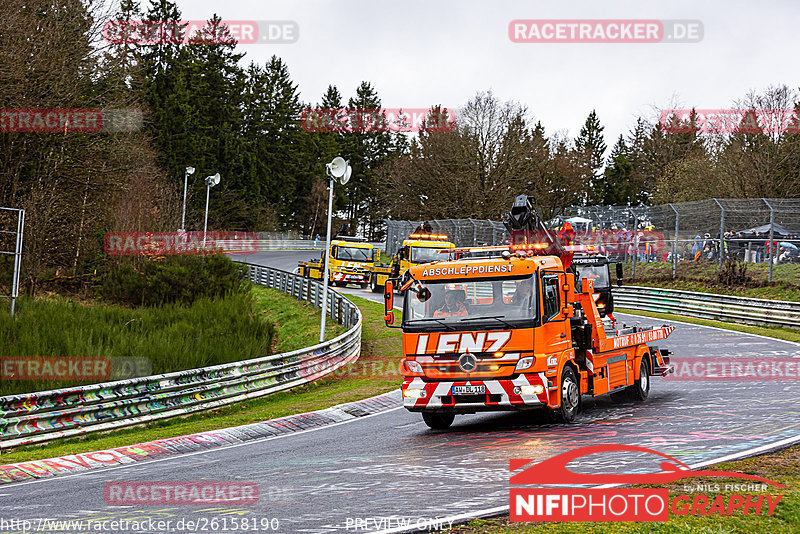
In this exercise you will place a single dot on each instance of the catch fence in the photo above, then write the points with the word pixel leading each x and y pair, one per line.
pixel 681 236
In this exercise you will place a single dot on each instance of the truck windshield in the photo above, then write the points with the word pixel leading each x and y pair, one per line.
pixel 425 255
pixel 467 305
pixel 598 273
pixel 354 254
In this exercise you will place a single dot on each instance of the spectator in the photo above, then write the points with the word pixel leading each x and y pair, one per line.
pixel 783 257
pixel 697 248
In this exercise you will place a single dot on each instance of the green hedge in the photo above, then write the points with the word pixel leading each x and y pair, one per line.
pixel 175 279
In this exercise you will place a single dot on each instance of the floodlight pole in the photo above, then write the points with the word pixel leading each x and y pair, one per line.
pixel 186 173
pixel 205 222
pixel 327 260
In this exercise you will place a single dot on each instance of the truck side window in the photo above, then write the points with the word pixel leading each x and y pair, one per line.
pixel 550 297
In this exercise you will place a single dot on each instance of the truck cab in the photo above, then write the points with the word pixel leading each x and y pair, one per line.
pixel 418 249
pixel 512 333
pixel 350 261
pixel 597 268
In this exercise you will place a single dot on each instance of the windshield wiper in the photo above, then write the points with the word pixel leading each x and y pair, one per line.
pixel 495 317
pixel 444 324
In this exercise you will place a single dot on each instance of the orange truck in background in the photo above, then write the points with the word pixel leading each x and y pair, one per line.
pixel 514 333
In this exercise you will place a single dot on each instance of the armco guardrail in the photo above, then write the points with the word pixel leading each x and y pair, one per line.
pixel 61 413
pixel 246 245
pixel 709 306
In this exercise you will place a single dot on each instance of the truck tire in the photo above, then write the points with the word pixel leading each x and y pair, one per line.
pixel 373 283
pixel 364 285
pixel 640 389
pixel 438 421
pixel 570 397
pixel 340 284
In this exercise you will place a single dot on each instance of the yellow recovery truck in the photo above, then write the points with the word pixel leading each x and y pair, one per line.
pixel 351 259
pixel 419 248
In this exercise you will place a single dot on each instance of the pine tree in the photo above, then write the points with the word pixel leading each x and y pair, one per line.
pixel 591 147
pixel 366 147
pixel 279 164
pixel 617 187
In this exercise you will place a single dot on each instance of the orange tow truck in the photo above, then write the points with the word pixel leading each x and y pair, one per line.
pixel 513 333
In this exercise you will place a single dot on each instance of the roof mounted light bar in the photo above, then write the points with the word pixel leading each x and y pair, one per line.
pixel 436 237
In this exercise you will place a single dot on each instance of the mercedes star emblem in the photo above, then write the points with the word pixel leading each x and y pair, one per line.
pixel 467 362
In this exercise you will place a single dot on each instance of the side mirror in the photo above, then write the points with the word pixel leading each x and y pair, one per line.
pixel 388 302
pixel 619 274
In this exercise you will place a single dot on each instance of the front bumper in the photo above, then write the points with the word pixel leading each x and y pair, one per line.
pixel 500 395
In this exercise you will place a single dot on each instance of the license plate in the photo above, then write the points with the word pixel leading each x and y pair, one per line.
pixel 469 390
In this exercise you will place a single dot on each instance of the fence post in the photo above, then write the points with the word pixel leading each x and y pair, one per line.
pixel 721 231
pixel 675 243
pixel 771 236
pixel 474 233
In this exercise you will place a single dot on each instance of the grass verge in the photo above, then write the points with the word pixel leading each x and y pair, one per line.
pixel 375 372
pixel 150 340
pixel 702 277
pixel 782 467
pixel 787 334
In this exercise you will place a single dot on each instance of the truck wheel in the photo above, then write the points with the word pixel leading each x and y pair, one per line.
pixel 364 285
pixel 340 284
pixel 438 421
pixel 373 282
pixel 570 397
pixel 641 388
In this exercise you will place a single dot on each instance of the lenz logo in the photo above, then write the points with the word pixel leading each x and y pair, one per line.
pixel 464 342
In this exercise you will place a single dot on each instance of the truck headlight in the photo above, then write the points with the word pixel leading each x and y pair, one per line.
pixel 524 363
pixel 415 393
pixel 413 366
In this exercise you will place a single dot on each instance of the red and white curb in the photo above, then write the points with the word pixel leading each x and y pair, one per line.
pixel 192 443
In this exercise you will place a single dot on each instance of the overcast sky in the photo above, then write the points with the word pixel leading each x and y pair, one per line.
pixel 417 53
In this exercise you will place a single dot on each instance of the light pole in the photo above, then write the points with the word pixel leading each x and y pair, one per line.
pixel 211 181
pixel 187 172
pixel 338 169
